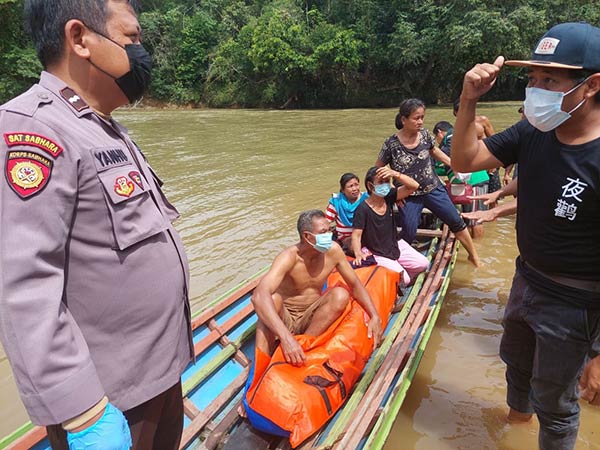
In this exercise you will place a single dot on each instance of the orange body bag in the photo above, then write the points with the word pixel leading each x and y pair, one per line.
pixel 300 400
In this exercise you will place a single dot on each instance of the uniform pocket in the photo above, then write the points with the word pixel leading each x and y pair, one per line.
pixel 133 213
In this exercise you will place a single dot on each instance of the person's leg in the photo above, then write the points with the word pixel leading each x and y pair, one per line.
pixel 413 261
pixel 440 204
pixel 331 306
pixel 465 239
pixel 158 423
pixel 409 216
pixel 563 341
pixel 517 348
pixel 265 339
pixel 170 424
pixel 394 266
pixel 57 437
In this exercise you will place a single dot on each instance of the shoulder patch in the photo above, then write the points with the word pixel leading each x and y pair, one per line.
pixel 33 140
pixel 27 173
pixel 74 100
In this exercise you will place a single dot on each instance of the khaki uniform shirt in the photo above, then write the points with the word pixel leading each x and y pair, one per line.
pixel 93 276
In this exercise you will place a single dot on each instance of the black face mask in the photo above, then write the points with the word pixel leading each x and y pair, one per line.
pixel 135 82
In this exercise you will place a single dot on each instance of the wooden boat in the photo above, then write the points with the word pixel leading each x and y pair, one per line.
pixel 224 346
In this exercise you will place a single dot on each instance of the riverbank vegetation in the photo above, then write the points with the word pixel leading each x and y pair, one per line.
pixel 317 53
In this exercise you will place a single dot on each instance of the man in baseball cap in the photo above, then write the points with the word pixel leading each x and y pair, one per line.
pixel 551 340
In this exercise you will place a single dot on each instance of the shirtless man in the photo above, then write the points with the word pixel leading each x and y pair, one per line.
pixel 288 299
pixel 482 123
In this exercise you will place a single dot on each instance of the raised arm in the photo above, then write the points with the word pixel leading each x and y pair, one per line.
pixel 361 295
pixel 408 184
pixel 468 153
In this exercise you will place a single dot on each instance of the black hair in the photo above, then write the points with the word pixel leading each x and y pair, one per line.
pixel 45 22
pixel 369 177
pixel 442 126
pixel 580 75
pixel 407 107
pixel 345 178
pixel 305 220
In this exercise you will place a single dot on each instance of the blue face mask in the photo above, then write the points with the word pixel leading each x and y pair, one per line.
pixel 543 108
pixel 381 190
pixel 323 241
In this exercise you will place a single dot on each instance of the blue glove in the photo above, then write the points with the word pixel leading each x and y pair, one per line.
pixel 110 432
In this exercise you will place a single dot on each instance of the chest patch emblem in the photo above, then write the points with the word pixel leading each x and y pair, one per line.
pixel 124 187
pixel 33 140
pixel 27 173
pixel 135 176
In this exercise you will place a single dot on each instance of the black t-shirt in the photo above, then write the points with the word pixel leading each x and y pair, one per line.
pixel 379 232
pixel 558 220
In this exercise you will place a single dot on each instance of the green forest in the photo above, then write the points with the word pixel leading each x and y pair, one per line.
pixel 317 53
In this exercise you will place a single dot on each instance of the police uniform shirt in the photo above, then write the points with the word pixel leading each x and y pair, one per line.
pixel 93 276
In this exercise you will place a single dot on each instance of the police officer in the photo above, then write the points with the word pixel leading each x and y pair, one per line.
pixel 551 340
pixel 94 314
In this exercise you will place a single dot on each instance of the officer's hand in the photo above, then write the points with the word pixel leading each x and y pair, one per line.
pixel 110 432
pixel 481 78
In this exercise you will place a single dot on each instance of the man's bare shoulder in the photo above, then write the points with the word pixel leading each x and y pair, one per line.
pixel 336 252
pixel 288 256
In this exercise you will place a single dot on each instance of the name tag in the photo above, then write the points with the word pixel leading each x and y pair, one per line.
pixel 107 158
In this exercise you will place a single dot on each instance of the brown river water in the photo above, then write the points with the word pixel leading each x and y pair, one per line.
pixel 241 177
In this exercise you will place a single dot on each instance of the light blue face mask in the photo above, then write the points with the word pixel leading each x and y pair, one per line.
pixel 381 190
pixel 543 108
pixel 323 241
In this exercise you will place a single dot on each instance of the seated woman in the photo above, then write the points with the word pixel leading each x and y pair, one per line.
pixel 408 151
pixel 341 207
pixel 374 230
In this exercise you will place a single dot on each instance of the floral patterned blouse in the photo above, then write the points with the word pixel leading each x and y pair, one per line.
pixel 415 162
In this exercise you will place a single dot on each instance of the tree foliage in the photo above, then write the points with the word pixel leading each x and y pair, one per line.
pixel 318 53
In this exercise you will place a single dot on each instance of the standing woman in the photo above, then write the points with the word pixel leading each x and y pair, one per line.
pixel 341 207
pixel 409 152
